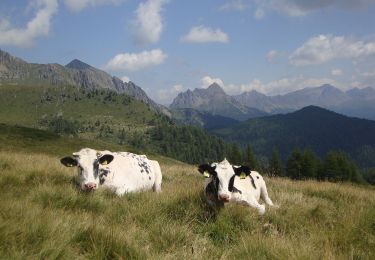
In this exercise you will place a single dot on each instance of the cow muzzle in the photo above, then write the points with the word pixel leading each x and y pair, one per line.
pixel 224 197
pixel 90 186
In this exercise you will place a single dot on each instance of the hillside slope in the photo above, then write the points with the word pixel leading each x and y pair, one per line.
pixel 107 116
pixel 311 127
pixel 16 71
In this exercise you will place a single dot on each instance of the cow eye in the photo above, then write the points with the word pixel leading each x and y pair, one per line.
pixel 80 169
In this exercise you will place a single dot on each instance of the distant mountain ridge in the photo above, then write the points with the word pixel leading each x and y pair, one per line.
pixel 14 70
pixel 216 102
pixel 354 102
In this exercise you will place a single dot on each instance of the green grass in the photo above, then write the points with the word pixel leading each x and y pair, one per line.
pixel 42 215
pixel 92 109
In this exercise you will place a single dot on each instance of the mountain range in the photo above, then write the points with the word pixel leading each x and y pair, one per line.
pixel 216 102
pixel 354 102
pixel 14 70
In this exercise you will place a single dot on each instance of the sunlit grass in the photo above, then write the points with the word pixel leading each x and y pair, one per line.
pixel 43 215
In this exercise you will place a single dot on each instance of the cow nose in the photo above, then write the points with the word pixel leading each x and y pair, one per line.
pixel 224 197
pixel 90 186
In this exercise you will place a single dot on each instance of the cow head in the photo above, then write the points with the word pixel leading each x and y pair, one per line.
pixel 222 175
pixel 87 161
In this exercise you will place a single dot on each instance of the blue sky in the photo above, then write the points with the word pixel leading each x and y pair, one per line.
pixel 168 46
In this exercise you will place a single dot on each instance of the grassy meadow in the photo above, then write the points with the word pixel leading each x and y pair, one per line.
pixel 43 215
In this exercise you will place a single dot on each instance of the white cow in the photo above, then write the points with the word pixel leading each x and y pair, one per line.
pixel 227 183
pixel 121 172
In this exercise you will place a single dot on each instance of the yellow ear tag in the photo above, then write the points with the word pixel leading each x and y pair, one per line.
pixel 243 175
pixel 104 163
pixel 206 174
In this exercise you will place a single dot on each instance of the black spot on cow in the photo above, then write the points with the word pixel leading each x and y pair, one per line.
pixel 252 181
pixel 257 177
pixel 103 175
pixel 211 192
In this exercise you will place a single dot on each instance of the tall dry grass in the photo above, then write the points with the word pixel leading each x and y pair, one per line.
pixel 42 215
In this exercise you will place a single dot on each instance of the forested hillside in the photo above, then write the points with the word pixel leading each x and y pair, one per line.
pixel 110 117
pixel 312 127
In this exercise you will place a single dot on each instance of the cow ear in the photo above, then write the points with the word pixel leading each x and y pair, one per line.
pixel 106 159
pixel 242 171
pixel 206 170
pixel 69 161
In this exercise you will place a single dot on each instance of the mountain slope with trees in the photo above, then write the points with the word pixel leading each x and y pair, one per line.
pixel 311 127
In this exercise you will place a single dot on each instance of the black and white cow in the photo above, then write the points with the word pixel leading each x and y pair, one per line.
pixel 122 172
pixel 227 183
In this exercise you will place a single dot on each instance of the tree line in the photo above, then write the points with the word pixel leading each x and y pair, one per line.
pixel 336 166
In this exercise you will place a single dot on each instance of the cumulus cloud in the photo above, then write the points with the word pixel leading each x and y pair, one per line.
pixel 79 5
pixel 207 81
pixel 38 26
pixel 202 34
pixel 272 55
pixel 149 25
pixel 164 96
pixel 136 61
pixel 324 48
pixel 302 8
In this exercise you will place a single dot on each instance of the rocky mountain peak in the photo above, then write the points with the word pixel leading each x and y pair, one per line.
pixel 77 64
pixel 215 88
pixel 6 58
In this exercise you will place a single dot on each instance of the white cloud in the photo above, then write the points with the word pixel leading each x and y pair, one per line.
pixel 237 5
pixel 79 5
pixel 148 26
pixel 336 72
pixel 136 61
pixel 207 81
pixel 37 27
pixel 164 96
pixel 324 48
pixel 125 79
pixel 272 55
pixel 202 34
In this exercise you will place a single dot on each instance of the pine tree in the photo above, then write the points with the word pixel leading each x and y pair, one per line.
pixel 275 166
pixel 294 165
pixel 235 156
pixel 249 158
pixel 310 165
